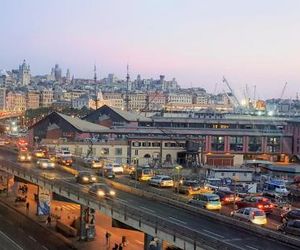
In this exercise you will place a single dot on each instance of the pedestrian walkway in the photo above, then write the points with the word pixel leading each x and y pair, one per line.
pixel 67 212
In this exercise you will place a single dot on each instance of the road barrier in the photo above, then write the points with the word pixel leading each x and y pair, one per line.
pixel 182 203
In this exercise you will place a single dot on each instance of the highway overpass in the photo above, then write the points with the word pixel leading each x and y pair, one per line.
pixel 176 225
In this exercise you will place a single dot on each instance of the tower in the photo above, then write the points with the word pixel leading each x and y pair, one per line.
pixel 57 73
pixel 68 76
pixel 127 89
pixel 96 89
pixel 24 73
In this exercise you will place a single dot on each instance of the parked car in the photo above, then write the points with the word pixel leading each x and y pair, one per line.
pixel 65 160
pixel 254 215
pixel 115 167
pixel 102 190
pixel 294 214
pixel 227 197
pixel 24 157
pixel 161 181
pixel 256 201
pixel 291 227
pixel 191 187
pixel 45 164
pixel 84 177
pixel 207 201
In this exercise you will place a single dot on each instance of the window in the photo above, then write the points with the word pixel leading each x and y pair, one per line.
pixel 136 144
pixel 254 144
pixel 155 144
pixel 236 143
pixel 217 143
pixel 273 144
pixel 118 151
pixel 105 151
pixel 136 152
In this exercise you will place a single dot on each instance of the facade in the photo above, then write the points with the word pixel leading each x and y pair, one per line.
pixel 2 98
pixel 15 101
pixel 32 99
pixel 179 98
pixel 46 98
pixel 137 101
pixel 156 100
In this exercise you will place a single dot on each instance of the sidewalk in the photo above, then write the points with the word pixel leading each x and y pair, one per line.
pixel 68 216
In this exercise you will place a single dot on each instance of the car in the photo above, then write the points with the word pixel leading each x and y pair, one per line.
pixel 45 164
pixel 66 161
pixel 207 201
pixel 293 214
pixel 39 153
pixel 85 177
pixel 108 173
pixel 92 163
pixel 102 190
pixel 291 227
pixel 115 167
pixel 63 153
pixel 256 201
pixel 252 214
pixel 161 181
pixel 24 157
pixel 191 187
pixel 227 197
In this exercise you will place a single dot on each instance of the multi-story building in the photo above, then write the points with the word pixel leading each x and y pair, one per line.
pixel 179 98
pixel 137 101
pixel 33 99
pixel 202 99
pixel 24 74
pixel 156 101
pixel 72 95
pixel 15 101
pixel 2 98
pixel 57 73
pixel 46 98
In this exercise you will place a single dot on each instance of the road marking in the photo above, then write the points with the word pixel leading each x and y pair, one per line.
pixel 210 232
pixel 121 200
pixel 251 247
pixel 33 239
pixel 180 221
pixel 140 242
pixel 45 248
pixel 147 209
pixel 236 239
pixel 13 242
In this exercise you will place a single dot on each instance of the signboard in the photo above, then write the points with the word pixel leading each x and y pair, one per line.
pixel 43 207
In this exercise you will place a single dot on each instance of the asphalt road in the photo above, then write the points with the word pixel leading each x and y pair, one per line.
pixel 19 232
pixel 211 229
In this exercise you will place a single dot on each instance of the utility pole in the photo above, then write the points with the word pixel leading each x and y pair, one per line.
pixel 95 82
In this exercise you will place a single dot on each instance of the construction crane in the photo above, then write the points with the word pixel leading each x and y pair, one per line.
pixel 283 91
pixel 236 101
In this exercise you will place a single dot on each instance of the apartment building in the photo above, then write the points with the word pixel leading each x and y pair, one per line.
pixel 32 99
pixel 46 98
pixel 15 101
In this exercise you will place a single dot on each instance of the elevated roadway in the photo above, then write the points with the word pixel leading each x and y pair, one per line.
pixel 176 225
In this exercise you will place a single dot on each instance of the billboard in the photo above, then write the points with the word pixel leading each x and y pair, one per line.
pixel 44 196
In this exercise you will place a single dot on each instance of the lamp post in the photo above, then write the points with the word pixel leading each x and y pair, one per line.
pixel 178 168
pixel 136 175
pixel 235 179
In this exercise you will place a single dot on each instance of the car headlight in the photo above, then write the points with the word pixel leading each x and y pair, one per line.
pixel 52 164
pixel 112 192
pixel 22 157
pixel 93 178
pixel 44 164
pixel 29 157
pixel 85 178
pixel 100 193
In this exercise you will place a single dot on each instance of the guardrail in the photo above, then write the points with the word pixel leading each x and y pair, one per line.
pixel 177 234
pixel 181 202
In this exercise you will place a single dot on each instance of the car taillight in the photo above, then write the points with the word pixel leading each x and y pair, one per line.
pixel 271 206
pixel 226 199
pixel 260 206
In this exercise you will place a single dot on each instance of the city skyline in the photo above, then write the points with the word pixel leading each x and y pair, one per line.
pixel 250 43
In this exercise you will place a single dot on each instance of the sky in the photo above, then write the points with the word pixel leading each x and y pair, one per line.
pixel 253 42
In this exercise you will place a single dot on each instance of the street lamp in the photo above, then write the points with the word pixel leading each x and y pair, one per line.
pixel 178 168
pixel 135 160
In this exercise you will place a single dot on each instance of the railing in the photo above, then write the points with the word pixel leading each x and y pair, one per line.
pixel 181 235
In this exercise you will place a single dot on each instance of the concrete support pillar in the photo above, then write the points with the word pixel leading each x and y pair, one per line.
pixel 87 223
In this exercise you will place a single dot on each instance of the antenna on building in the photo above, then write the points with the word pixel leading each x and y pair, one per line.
pixel 127 88
pixel 95 82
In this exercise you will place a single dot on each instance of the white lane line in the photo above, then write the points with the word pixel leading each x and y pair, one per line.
pixel 180 221
pixel 33 239
pixel 10 240
pixel 251 247
pixel 210 232
pixel 139 242
pixel 45 248
pixel 234 239
pixel 121 200
pixel 147 209
pixel 208 235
